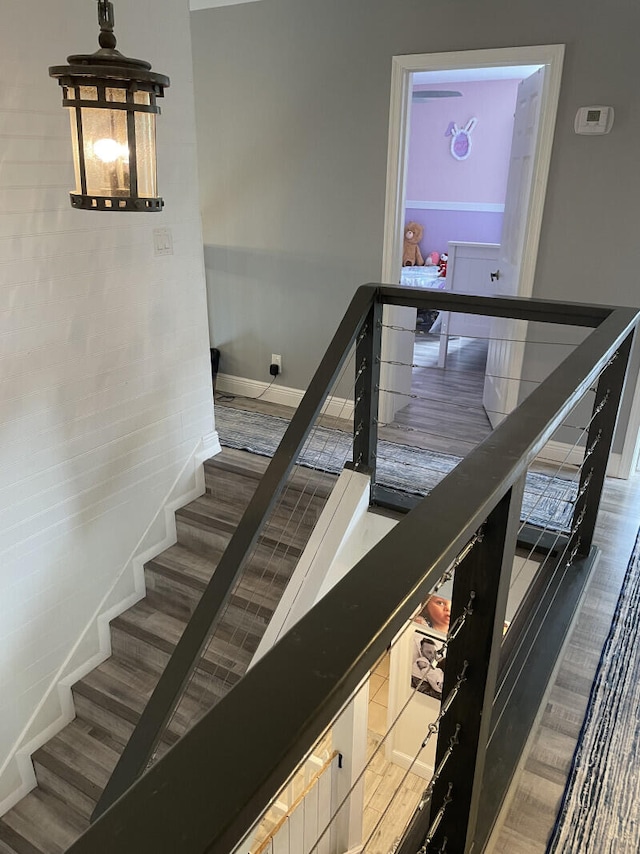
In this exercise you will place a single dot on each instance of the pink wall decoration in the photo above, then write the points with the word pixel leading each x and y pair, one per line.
pixel 433 174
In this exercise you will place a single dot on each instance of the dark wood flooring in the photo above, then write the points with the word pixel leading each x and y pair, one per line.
pixel 446 414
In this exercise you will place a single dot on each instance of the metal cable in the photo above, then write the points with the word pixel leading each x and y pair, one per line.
pixel 280 550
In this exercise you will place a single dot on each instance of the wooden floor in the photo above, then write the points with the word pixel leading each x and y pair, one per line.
pixel 529 817
pixel 444 412
pixel 447 413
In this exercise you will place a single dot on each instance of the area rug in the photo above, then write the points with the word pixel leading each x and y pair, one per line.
pixel 600 811
pixel 547 502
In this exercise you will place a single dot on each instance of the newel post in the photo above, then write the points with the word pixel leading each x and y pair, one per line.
pixel 365 416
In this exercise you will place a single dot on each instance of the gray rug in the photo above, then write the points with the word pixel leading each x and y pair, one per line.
pixel 600 811
pixel 548 502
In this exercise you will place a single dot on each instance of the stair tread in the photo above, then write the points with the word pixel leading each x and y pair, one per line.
pixel 257 583
pixel 248 464
pixel 265 563
pixel 124 691
pixel 164 632
pixel 44 822
pixel 12 842
pixel 218 509
pixel 82 754
pixel 127 687
pixel 192 565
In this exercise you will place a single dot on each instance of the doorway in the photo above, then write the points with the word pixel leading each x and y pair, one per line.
pixel 398 344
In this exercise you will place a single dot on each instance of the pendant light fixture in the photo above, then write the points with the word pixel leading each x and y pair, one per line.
pixel 112 105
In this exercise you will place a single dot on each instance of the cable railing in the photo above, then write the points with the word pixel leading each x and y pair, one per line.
pixel 206 792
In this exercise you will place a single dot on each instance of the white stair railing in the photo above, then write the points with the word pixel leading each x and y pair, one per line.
pixel 307 815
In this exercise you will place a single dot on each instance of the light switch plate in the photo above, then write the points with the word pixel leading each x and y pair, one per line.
pixel 162 241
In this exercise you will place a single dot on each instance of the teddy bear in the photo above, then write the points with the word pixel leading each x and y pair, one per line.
pixel 411 255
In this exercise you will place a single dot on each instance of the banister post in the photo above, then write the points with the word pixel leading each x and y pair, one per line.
pixel 365 424
pixel 481 583
pixel 598 448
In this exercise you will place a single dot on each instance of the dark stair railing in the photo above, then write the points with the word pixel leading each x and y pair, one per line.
pixel 205 793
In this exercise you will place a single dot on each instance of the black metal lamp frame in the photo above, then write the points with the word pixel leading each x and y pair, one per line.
pixel 107 68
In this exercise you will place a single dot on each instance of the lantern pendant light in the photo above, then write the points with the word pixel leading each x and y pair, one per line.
pixel 112 105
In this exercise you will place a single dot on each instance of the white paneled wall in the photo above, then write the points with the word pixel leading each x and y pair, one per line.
pixel 105 384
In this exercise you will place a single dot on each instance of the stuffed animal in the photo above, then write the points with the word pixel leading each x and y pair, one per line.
pixel 442 266
pixel 411 255
pixel 432 259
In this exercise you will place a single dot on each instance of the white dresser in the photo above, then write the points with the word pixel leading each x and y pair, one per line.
pixel 469 271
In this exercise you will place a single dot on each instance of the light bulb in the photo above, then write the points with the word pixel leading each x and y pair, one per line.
pixel 108 150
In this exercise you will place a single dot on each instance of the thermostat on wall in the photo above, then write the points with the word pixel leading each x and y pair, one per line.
pixel 594 120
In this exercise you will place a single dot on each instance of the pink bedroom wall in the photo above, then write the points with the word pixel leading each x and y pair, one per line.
pixel 433 174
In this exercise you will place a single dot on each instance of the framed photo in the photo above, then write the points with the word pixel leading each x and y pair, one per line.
pixel 427 668
pixel 435 615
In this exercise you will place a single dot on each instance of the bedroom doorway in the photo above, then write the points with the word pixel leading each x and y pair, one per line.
pixel 397 345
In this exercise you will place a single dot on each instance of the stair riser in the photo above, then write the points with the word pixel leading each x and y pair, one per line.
pixel 180 600
pixel 203 541
pixel 229 488
pixel 142 652
pixel 137 652
pixel 290 515
pixel 61 788
pixel 266 560
pixel 206 526
pixel 90 711
pixel 242 627
pixel 170 596
pixel 120 729
pixel 225 484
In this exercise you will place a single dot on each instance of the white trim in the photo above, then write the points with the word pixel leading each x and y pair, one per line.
pixel 346 505
pixel 631 445
pixel 395 348
pixel 410 763
pixel 554 57
pixel 402 68
pixel 196 5
pixel 128 588
pixel 209 447
pixel 480 207
pixel 341 407
pixel 573 455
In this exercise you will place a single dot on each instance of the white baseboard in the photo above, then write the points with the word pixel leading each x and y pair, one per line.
pixel 573 456
pixel 209 448
pixel 56 709
pixel 410 763
pixel 340 407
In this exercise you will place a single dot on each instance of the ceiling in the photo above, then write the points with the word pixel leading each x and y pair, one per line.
pixel 469 75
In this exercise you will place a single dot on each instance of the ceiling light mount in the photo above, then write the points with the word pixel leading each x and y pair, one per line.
pixel 112 105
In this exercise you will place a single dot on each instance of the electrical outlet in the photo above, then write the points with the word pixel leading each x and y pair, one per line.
pixel 276 359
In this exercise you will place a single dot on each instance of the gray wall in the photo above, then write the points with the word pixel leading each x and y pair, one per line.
pixel 292 106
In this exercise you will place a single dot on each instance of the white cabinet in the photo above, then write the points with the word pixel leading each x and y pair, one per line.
pixel 469 270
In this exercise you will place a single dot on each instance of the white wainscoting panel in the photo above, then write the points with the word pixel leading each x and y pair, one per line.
pixel 105 379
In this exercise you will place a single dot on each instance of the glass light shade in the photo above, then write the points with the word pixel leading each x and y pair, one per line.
pixel 112 107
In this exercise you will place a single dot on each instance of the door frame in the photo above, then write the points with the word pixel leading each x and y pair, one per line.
pixel 395 344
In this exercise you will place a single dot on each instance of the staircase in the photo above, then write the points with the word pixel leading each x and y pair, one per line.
pixel 73 768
